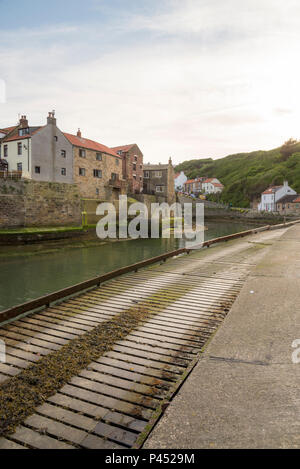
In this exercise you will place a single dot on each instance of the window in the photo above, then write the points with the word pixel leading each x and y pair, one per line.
pixel 5 150
pixel 135 158
pixel 117 162
pixel 141 178
pixel 19 167
pixel 97 173
pixel 55 138
pixel 141 166
pixel 160 188
pixel 23 132
pixel 134 176
pixel 97 191
pixel 99 156
pixel 82 153
pixel 63 153
pixel 157 174
pixel 81 171
pixel 146 174
pixel 37 170
pixel 134 167
pixel 63 171
pixel 20 148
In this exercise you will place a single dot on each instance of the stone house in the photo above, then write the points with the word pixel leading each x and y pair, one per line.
pixel 132 166
pixel 271 195
pixel 47 154
pixel 288 204
pixel 40 153
pixel 193 186
pixel 159 181
pixel 97 169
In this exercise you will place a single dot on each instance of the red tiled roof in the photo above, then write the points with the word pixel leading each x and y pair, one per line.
pixel 297 200
pixel 7 130
pixel 23 137
pixel 271 189
pixel 216 184
pixel 90 144
pixel 17 137
pixel 123 148
pixel 191 181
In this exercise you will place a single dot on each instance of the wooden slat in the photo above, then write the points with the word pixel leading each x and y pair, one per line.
pixel 36 440
pixel 7 444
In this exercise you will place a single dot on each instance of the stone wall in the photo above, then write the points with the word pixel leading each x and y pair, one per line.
pixel 91 186
pixel 32 203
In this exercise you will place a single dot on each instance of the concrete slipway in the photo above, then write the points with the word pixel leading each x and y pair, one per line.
pixel 245 390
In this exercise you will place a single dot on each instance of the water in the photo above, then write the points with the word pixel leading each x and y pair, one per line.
pixel 23 278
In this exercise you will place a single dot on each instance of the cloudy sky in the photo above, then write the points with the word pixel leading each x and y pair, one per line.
pixel 182 78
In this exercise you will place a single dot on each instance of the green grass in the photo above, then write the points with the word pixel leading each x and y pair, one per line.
pixel 246 175
pixel 37 230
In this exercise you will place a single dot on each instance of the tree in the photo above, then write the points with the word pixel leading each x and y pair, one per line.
pixel 288 148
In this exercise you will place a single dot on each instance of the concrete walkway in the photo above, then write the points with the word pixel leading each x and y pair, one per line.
pixel 245 391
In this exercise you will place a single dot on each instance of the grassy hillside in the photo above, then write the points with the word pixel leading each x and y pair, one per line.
pixel 246 175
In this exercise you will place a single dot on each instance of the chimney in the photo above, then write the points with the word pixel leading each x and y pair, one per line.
pixel 23 122
pixel 79 133
pixel 170 161
pixel 285 183
pixel 51 118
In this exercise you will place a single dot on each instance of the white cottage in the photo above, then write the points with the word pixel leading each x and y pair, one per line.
pixel 212 186
pixel 270 196
pixel 180 180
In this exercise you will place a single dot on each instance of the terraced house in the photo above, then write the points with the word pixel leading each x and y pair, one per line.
pixel 40 153
pixel 45 153
pixel 97 169
pixel 159 181
pixel 132 166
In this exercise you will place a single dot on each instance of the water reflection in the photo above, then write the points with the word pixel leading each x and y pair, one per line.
pixel 26 278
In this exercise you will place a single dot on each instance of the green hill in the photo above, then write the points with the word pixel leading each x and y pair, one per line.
pixel 246 175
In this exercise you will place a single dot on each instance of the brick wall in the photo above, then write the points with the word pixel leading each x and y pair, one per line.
pixel 133 169
pixel 33 203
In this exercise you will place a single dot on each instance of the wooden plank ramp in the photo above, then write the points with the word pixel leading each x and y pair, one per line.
pixel 110 403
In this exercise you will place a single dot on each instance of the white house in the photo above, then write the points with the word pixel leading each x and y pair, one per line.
pixel 212 186
pixel 42 153
pixel 270 196
pixel 180 180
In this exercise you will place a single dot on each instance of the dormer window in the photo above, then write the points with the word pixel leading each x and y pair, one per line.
pixel 23 132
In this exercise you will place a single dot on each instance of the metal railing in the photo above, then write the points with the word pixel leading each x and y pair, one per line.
pixel 45 301
pixel 10 175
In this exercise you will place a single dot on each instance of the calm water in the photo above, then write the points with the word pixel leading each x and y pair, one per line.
pixel 25 278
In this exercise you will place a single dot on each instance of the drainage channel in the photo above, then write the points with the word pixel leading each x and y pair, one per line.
pixel 116 399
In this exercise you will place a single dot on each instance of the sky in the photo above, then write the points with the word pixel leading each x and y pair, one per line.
pixel 181 78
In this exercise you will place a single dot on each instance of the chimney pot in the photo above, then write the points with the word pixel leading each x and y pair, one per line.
pixel 51 118
pixel 23 122
pixel 79 133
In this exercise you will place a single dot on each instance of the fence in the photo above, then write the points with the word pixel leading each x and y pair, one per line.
pixel 10 175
